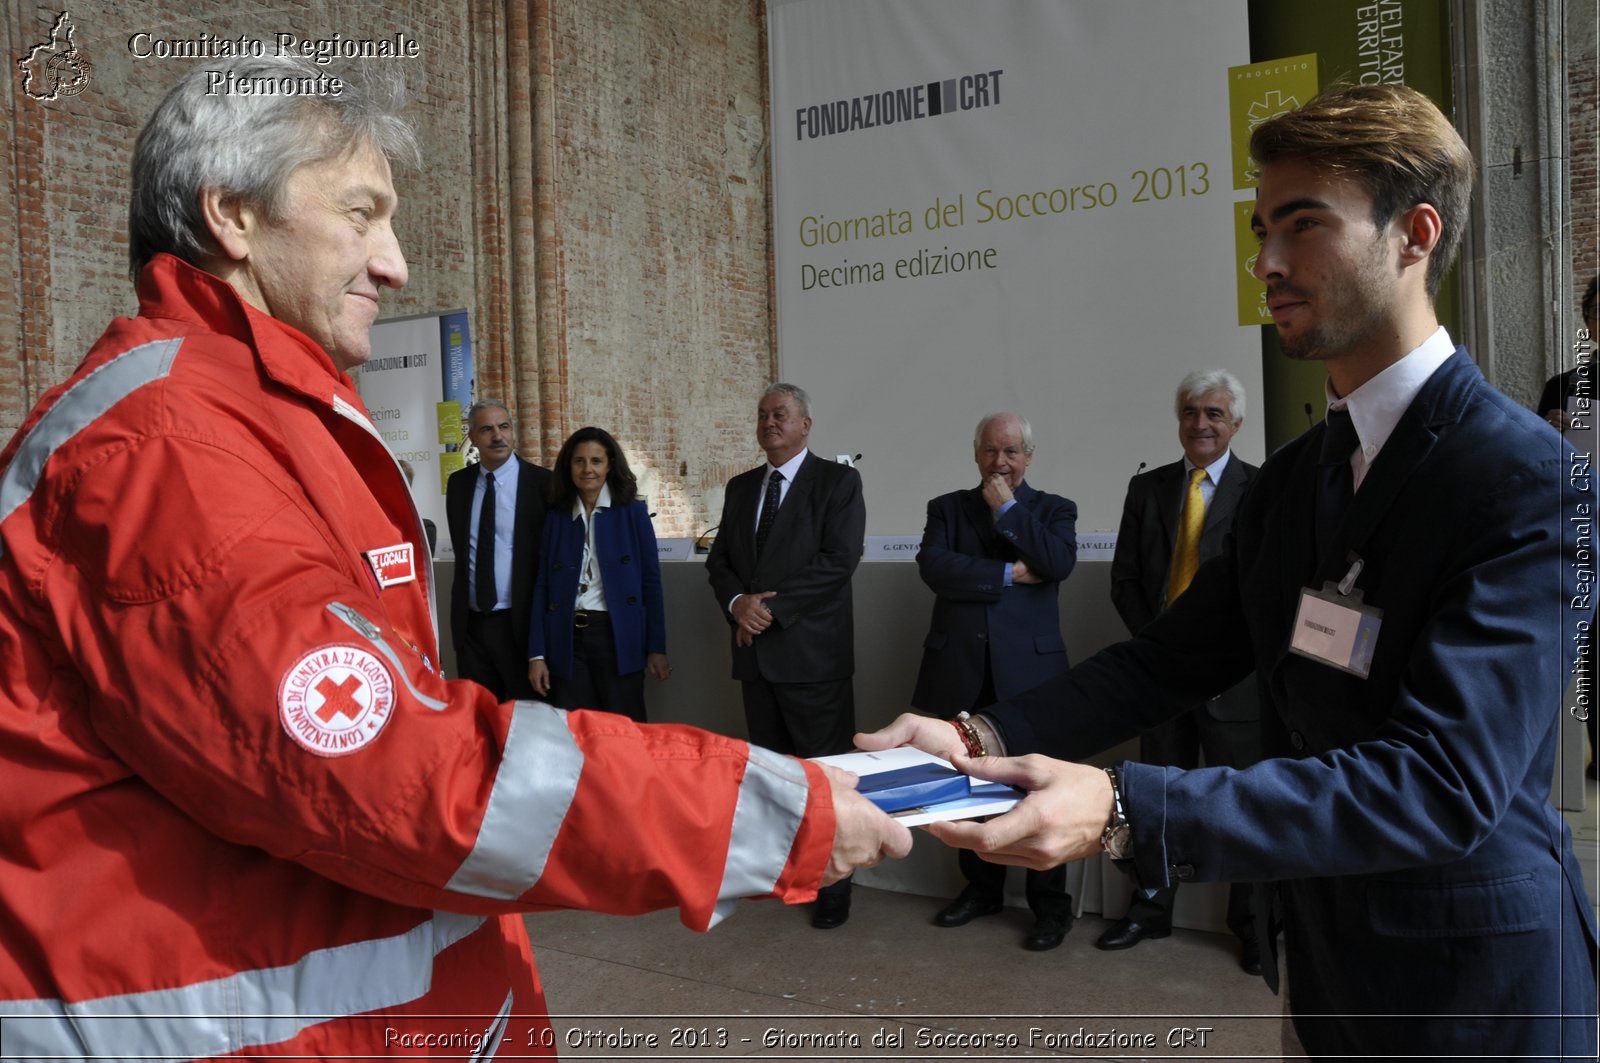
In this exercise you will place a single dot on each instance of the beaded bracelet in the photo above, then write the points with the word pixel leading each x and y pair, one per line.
pixel 970 738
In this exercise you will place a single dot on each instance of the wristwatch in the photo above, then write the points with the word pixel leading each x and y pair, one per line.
pixel 1117 838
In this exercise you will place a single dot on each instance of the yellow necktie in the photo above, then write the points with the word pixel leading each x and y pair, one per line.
pixel 1186 555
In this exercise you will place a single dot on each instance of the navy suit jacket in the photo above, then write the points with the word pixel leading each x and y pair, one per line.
pixel 1425 870
pixel 976 618
pixel 812 551
pixel 533 481
pixel 1145 541
pixel 630 573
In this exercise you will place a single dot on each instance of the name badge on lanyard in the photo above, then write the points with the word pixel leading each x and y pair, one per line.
pixel 1335 627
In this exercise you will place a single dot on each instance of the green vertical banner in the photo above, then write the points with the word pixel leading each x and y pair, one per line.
pixel 1351 42
pixel 1258 92
pixel 448 427
pixel 1252 293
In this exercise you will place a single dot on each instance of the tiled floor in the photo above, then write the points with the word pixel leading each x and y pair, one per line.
pixel 764 984
pixel 772 982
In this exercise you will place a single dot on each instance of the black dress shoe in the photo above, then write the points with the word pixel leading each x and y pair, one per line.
pixel 1250 956
pixel 1125 934
pixel 1047 934
pixel 964 909
pixel 831 910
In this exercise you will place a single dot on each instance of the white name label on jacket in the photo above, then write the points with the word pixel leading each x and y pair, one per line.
pixel 392 564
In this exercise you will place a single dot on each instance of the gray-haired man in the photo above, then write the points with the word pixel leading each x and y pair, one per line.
pixel 240 811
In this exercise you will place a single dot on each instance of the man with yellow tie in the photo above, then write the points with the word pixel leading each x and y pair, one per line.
pixel 1174 518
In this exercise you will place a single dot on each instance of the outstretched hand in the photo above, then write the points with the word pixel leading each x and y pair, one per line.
pixel 909 729
pixel 1066 808
pixel 863 834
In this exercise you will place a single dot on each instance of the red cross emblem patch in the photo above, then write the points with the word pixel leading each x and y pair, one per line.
pixel 335 700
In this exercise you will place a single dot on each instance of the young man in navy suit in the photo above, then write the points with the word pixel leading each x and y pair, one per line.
pixel 1152 566
pixel 1405 581
pixel 792 533
pixel 995 555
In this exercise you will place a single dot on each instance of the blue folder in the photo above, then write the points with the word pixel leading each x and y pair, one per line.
pixel 913 787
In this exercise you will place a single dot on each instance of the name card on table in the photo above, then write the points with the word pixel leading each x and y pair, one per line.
pixel 1096 546
pixel 675 549
pixel 892 547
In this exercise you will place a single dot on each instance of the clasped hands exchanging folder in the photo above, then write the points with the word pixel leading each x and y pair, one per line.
pixel 1045 812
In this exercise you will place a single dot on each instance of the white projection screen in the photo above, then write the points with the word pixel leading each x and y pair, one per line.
pixel 1012 204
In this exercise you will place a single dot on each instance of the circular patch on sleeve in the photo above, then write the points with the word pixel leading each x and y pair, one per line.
pixel 336 700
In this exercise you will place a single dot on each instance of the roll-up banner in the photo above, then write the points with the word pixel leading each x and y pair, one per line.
pixel 415 386
pixel 1018 206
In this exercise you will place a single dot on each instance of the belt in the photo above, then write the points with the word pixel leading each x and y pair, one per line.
pixel 583 618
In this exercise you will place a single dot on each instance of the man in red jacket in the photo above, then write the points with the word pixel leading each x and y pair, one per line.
pixel 240 811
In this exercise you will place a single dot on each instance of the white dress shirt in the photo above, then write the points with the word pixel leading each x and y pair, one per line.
pixel 790 470
pixel 506 478
pixel 1377 406
pixel 1213 476
pixel 591 595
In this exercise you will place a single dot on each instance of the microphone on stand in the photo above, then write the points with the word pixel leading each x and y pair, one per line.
pixel 1310 421
pixel 700 544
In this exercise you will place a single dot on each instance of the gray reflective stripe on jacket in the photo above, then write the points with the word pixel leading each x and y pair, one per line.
pixel 243 1010
pixel 772 802
pixel 537 782
pixel 76 409
pixel 533 788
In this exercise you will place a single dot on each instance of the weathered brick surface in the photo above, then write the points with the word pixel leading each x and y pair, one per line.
pixel 594 191
pixel 71 158
pixel 660 182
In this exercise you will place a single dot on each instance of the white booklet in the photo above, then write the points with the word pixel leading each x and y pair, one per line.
pixel 987 799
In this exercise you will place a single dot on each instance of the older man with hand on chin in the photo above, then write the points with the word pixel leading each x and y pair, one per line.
pixel 996 555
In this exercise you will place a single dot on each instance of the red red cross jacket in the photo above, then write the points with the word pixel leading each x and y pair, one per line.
pixel 239 812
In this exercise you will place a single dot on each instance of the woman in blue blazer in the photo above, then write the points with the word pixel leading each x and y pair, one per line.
pixel 599 622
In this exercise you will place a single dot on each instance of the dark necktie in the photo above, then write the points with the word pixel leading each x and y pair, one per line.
pixel 769 511
pixel 483 578
pixel 1336 483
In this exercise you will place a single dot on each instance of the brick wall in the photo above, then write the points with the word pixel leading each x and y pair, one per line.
pixel 661 188
pixel 71 156
pixel 653 143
